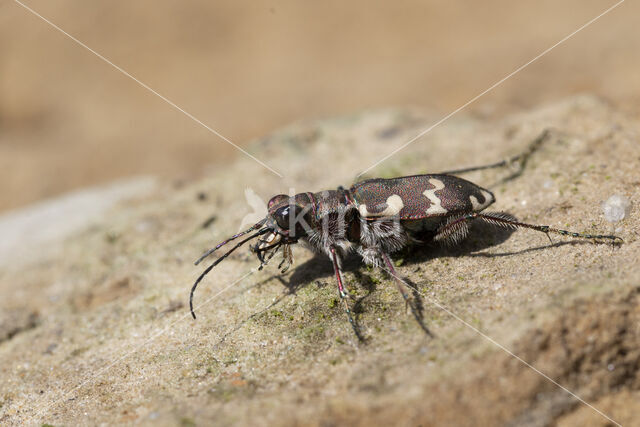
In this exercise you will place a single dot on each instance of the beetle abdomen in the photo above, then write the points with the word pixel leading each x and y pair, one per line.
pixel 419 196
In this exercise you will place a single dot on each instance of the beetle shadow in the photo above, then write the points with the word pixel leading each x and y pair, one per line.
pixel 481 236
pixel 365 281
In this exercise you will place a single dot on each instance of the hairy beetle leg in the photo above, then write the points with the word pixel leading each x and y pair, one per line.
pixel 508 221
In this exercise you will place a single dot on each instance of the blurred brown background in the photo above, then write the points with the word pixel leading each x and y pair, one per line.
pixel 67 119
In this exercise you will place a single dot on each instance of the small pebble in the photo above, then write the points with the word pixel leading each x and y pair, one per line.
pixel 616 208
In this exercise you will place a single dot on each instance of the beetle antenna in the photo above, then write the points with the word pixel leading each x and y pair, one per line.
pixel 212 250
pixel 216 262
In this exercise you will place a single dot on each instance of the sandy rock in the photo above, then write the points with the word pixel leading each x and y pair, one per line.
pixel 99 331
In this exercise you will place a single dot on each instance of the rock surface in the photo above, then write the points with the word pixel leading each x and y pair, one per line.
pixel 98 331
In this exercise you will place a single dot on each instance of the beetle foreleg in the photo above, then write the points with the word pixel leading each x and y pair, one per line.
pixel 287 258
pixel 265 260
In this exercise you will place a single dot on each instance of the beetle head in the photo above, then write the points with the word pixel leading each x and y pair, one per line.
pixel 288 219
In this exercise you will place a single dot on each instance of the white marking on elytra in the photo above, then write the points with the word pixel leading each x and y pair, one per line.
pixel 488 197
pixel 436 204
pixel 477 206
pixel 394 206
pixel 475 203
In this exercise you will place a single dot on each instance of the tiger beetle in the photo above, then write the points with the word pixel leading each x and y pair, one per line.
pixel 379 216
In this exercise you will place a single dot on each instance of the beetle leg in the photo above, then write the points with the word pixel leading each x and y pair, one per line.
pixel 507 221
pixel 454 230
pixel 401 287
pixel 341 290
pixel 510 222
pixel 265 260
pixel 521 159
pixel 405 294
pixel 287 259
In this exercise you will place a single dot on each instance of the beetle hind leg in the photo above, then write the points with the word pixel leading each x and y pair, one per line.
pixel 453 231
pixel 505 220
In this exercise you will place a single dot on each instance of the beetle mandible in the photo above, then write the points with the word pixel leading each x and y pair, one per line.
pixel 377 217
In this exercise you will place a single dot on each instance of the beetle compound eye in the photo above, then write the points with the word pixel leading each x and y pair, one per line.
pixel 293 218
pixel 282 217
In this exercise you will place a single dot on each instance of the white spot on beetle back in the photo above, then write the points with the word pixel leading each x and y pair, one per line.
pixel 436 204
pixel 477 206
pixel 488 197
pixel 394 206
pixel 475 203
